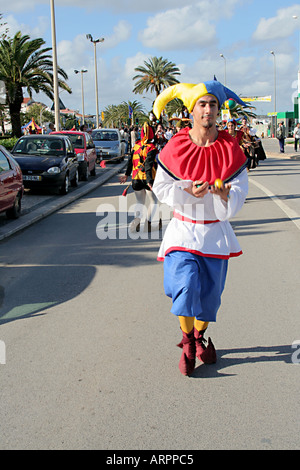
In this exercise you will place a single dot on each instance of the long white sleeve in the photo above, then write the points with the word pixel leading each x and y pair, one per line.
pixel 205 228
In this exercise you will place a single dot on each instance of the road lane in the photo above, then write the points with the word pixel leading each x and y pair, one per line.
pixel 92 361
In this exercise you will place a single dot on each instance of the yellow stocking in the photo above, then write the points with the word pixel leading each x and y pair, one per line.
pixel 186 323
pixel 200 325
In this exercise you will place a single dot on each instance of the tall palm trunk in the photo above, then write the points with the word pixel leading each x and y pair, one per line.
pixel 14 104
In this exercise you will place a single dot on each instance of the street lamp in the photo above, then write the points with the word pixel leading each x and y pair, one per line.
pixel 273 54
pixel 95 41
pixel 296 18
pixel 55 75
pixel 274 122
pixel 82 71
pixel 223 57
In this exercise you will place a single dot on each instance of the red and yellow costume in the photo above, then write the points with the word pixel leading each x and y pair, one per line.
pixel 142 168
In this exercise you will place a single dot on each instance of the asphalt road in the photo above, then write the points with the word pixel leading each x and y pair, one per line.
pixel 37 205
pixel 91 359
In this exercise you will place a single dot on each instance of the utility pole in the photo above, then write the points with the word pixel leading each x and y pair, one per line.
pixel 55 76
pixel 95 41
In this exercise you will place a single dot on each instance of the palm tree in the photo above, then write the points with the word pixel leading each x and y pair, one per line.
pixel 157 74
pixel 174 106
pixel 238 111
pixel 23 64
pixel 116 115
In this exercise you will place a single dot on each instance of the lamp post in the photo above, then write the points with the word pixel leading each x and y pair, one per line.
pixel 43 107
pixel 55 76
pixel 273 54
pixel 223 57
pixel 95 41
pixel 82 71
pixel 296 18
pixel 274 122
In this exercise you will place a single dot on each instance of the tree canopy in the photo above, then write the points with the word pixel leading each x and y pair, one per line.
pixel 155 75
pixel 24 63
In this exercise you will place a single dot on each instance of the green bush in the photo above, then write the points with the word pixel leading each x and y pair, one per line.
pixel 8 143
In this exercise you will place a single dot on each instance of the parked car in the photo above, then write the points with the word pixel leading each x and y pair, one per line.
pixel 85 150
pixel 11 185
pixel 108 144
pixel 47 161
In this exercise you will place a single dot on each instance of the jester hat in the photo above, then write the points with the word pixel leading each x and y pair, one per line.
pixel 147 133
pixel 190 94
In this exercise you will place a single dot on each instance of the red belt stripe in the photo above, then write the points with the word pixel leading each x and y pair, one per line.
pixel 187 219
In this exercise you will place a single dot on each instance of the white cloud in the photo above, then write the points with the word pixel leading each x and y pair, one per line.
pixel 42 24
pixel 115 5
pixel 122 32
pixel 279 26
pixel 176 29
pixel 191 26
pixel 133 62
pixel 65 53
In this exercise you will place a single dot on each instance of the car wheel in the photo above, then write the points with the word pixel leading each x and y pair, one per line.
pixel 85 174
pixel 93 171
pixel 15 211
pixel 75 180
pixel 65 187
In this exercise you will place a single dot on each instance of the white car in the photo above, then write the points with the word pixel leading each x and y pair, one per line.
pixel 109 144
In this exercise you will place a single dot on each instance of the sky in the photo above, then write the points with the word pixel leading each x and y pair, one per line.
pixel 190 33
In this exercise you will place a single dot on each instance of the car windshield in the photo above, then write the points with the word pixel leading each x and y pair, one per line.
pixel 77 140
pixel 105 135
pixel 38 146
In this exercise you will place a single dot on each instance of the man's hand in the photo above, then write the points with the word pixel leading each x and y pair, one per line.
pixel 198 189
pixel 123 179
pixel 222 192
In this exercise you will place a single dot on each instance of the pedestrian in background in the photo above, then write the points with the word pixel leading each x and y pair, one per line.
pixel 133 136
pixel 280 134
pixel 296 136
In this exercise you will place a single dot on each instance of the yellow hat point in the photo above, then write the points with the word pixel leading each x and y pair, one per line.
pixel 186 92
pixel 189 93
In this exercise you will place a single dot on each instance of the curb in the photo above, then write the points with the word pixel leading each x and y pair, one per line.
pixel 290 156
pixel 52 206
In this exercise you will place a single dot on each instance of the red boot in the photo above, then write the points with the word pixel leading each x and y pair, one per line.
pixel 187 360
pixel 206 354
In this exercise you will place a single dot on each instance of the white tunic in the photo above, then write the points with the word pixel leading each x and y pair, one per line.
pixel 205 228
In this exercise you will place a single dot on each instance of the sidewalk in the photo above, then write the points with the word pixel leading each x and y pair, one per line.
pixel 35 208
pixel 271 147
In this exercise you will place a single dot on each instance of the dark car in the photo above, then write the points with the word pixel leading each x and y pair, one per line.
pixel 11 185
pixel 85 150
pixel 47 161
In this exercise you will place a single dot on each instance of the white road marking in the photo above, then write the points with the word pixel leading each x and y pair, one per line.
pixel 284 207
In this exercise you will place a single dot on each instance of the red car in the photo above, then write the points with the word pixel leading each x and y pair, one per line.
pixel 85 150
pixel 11 185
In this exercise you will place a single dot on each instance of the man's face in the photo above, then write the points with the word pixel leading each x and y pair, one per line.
pixel 230 127
pixel 205 112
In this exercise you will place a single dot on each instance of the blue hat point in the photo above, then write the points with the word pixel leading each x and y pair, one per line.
pixel 222 93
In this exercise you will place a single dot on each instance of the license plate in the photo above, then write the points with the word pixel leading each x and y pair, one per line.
pixel 32 178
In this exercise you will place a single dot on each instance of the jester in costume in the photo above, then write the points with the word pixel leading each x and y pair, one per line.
pixel 142 168
pixel 202 175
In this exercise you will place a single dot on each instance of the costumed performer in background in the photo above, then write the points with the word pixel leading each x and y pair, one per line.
pixel 202 175
pixel 233 131
pixel 142 167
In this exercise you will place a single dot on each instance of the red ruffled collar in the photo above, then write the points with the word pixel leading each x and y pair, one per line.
pixel 183 159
